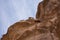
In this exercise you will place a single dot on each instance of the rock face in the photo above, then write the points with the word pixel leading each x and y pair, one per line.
pixel 46 26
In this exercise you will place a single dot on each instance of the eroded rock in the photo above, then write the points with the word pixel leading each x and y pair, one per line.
pixel 46 26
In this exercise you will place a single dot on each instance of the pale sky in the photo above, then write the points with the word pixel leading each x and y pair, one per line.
pixel 12 11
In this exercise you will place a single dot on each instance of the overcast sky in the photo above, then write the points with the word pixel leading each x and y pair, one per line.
pixel 12 11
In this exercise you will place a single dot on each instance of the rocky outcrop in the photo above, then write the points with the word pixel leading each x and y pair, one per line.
pixel 46 26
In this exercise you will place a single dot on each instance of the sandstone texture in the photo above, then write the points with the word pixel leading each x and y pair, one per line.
pixel 46 26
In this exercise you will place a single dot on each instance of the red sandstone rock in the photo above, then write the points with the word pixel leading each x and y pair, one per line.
pixel 46 26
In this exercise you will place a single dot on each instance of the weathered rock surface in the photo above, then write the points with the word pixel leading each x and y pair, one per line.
pixel 46 26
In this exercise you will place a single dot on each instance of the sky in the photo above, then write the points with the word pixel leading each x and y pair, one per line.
pixel 12 11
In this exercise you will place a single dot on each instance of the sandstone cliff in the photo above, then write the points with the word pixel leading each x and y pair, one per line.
pixel 46 26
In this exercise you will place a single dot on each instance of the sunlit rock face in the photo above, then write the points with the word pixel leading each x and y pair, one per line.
pixel 46 26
